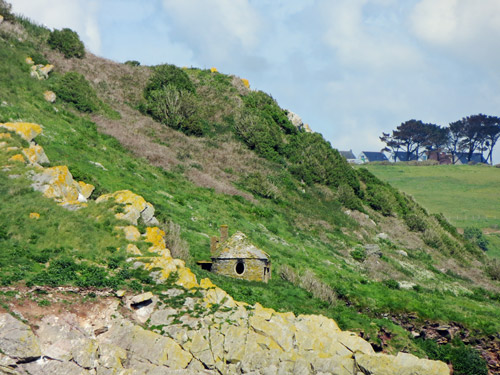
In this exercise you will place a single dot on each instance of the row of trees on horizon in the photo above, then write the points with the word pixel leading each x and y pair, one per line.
pixel 470 135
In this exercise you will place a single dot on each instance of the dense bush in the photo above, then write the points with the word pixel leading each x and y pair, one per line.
pixel 75 89
pixel 476 236
pixel 415 223
pixel 170 99
pixel 259 133
pixel 132 63
pixel 167 74
pixel 313 159
pixel 67 42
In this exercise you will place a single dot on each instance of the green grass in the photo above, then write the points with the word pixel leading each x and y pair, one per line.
pixel 467 195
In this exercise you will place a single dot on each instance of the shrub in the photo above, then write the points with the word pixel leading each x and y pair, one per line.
pixel 493 269
pixel 415 223
pixel 67 42
pixel 260 185
pixel 75 89
pixel 359 255
pixel 132 63
pixel 475 235
pixel 391 284
pixel 167 74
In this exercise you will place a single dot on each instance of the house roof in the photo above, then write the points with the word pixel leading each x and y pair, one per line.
pixel 402 156
pixel 375 156
pixel 239 246
pixel 476 157
pixel 347 154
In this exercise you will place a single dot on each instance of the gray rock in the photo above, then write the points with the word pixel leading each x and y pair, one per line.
pixel 402 253
pixel 17 340
pixel 382 236
pixel 373 250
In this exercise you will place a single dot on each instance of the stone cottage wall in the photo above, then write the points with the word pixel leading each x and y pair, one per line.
pixel 253 268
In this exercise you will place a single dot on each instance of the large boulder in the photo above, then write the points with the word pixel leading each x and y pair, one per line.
pixel 17 341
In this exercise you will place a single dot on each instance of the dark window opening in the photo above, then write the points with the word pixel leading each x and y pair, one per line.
pixel 240 268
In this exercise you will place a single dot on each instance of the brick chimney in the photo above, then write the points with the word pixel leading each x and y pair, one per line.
pixel 223 233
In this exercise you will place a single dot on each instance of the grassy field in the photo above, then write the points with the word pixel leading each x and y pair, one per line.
pixel 467 195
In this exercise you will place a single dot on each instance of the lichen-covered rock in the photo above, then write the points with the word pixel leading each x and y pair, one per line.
pixel 41 71
pixel 131 233
pixel 134 208
pixel 17 158
pixel 35 154
pixel 26 130
pixel 49 96
pixel 402 364
pixel 34 215
pixel 17 341
pixel 57 183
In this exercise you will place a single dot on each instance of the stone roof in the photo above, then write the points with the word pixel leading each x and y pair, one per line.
pixel 375 156
pixel 239 246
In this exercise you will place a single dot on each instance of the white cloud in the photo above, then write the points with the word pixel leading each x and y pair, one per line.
pixel 469 29
pixel 216 30
pixel 366 34
pixel 78 15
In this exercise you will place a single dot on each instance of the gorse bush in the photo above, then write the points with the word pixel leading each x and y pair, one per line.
pixel 75 89
pixel 67 42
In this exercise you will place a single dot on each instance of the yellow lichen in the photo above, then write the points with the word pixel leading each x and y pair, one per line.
pixel 5 135
pixel 29 61
pixel 34 215
pixel 17 157
pixel 85 189
pixel 26 130
pixel 133 249
pixel 246 83
pixel 35 154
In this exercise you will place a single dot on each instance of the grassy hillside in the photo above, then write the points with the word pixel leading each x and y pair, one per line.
pixel 467 195
pixel 342 242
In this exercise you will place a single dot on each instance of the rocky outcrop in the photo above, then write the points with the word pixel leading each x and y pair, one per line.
pixel 134 207
pixel 297 122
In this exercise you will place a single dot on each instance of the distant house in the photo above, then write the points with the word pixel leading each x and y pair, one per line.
pixel 370 156
pixel 403 156
pixel 237 257
pixel 349 156
pixel 439 156
pixel 461 158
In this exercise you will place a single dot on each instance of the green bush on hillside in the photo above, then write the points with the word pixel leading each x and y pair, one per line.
pixel 170 99
pixel 67 42
pixel 476 236
pixel 6 11
pixel 75 89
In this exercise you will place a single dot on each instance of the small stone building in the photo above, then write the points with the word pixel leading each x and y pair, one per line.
pixel 237 257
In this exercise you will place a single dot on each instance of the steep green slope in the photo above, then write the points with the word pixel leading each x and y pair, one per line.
pixel 284 202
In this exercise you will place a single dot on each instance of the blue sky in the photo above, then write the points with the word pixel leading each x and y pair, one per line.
pixel 350 68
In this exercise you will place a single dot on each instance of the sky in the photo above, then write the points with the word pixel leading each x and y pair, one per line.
pixel 351 69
